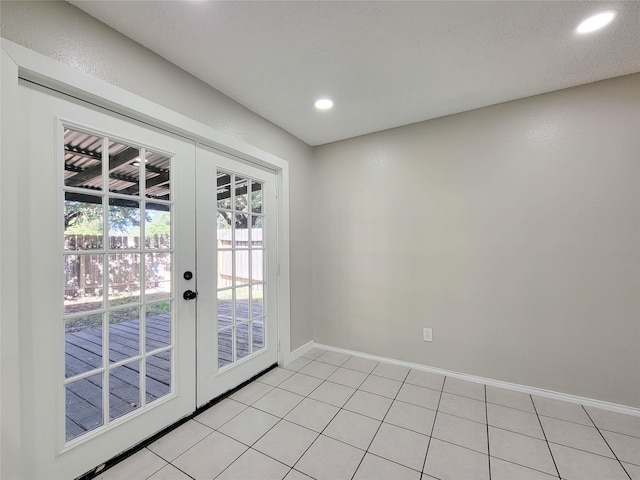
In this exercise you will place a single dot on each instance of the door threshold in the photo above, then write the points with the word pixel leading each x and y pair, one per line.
pixel 136 448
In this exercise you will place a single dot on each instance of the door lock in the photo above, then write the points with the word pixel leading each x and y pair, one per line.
pixel 189 295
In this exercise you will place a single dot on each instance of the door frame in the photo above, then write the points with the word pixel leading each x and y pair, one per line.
pixel 19 63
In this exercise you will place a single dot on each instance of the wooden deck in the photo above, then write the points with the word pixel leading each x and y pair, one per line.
pixel 83 353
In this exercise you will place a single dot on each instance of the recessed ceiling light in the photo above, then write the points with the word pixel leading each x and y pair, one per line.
pixel 323 104
pixel 597 21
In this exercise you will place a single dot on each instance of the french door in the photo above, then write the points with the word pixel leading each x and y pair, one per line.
pixel 124 332
pixel 237 268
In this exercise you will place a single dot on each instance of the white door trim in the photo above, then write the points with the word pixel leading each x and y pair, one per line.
pixel 20 62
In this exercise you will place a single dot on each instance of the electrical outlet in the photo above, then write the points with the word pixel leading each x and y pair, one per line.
pixel 427 334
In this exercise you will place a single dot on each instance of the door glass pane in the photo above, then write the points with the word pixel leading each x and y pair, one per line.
pixel 124 389
pixel 224 190
pixel 242 304
pixel 257 301
pixel 82 160
pixel 256 197
pixel 242 341
pixel 257 328
pixel 124 333
pixel 124 278
pixel 225 347
pixel 83 224
pixel 157 227
pixel 83 283
pixel 158 376
pixel 124 169
pixel 257 266
pixel 225 308
pixel 242 267
pixel 157 176
pixel 241 194
pixel 157 276
pixel 241 230
pixel 256 231
pixel 83 406
pixel 225 269
pixel 157 325
pixel 82 344
pixel 124 224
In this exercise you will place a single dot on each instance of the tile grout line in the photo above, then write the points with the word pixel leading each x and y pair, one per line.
pixel 607 443
pixel 168 463
pixel 545 436
pixel 424 463
pixel 486 418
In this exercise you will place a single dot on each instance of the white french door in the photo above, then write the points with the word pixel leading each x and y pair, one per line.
pixel 123 331
pixel 237 268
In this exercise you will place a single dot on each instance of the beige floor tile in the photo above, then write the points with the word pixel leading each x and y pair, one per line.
pixel 510 398
pixel 249 425
pixel 501 470
pixel 369 404
pixel 296 475
pixel 300 384
pixel 312 414
pixel 253 465
pixel 348 377
pixel 220 413
pixel 352 428
pixel 332 393
pixel 615 422
pixel 251 393
pixel 142 464
pixel 515 420
pixel 286 442
pixel 381 386
pixel 169 473
pixel 632 470
pixel 400 445
pixel 275 377
pixel 178 441
pixel 329 459
pixel 376 468
pixel 361 364
pixel 319 370
pixel 297 364
pixel 425 379
pixel 393 372
pixel 626 447
pixel 578 465
pixel 334 358
pixel 462 432
pixel 278 402
pixel 575 435
pixel 412 417
pixel 451 462
pixel 464 407
pixel 521 449
pixel 420 396
pixel 570 412
pixel 464 388
pixel 198 461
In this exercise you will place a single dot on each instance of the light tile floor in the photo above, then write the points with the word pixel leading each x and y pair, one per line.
pixel 329 416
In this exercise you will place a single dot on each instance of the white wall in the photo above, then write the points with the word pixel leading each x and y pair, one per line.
pixel 65 33
pixel 513 231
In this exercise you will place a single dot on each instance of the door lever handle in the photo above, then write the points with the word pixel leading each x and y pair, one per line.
pixel 189 295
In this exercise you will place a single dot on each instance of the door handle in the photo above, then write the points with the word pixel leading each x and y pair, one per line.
pixel 189 295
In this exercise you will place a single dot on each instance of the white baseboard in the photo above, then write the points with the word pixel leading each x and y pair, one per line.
pixel 589 402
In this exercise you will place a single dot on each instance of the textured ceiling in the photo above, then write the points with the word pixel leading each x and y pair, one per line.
pixel 385 64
